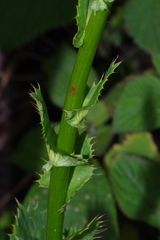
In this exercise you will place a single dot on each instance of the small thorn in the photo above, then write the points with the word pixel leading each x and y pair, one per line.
pixel 35 181
pixel 17 201
pixel 97 174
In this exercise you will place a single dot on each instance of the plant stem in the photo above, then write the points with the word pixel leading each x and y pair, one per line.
pixel 60 176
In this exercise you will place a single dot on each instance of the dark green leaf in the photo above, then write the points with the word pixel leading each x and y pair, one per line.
pixel 98 115
pixel 136 184
pixel 139 106
pixel 114 94
pixel 94 199
pixel 140 144
pixel 143 21
pixel 30 222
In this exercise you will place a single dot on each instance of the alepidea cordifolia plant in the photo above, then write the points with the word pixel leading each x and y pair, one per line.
pixel 70 152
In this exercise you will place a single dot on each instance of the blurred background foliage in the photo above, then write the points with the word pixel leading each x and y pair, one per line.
pixel 36 46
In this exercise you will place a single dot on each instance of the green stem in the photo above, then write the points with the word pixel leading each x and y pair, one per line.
pixel 60 176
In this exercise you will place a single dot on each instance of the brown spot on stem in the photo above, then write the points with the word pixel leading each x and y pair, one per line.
pixel 73 90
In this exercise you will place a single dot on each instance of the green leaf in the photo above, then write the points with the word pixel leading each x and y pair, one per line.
pixel 89 232
pixel 144 28
pixel 32 215
pixel 98 115
pixel 49 134
pixel 59 68
pixel 95 198
pixel 58 159
pixel 22 21
pixel 82 17
pixel 138 107
pixel 113 96
pixel 81 175
pixel 100 5
pixel 132 180
pixel 30 223
pixel 140 144
pixel 76 117
pixel 96 119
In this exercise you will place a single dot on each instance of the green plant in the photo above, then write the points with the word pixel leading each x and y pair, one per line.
pixel 125 122
pixel 70 149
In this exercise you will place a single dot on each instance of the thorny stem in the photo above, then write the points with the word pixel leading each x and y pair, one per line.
pixel 60 176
